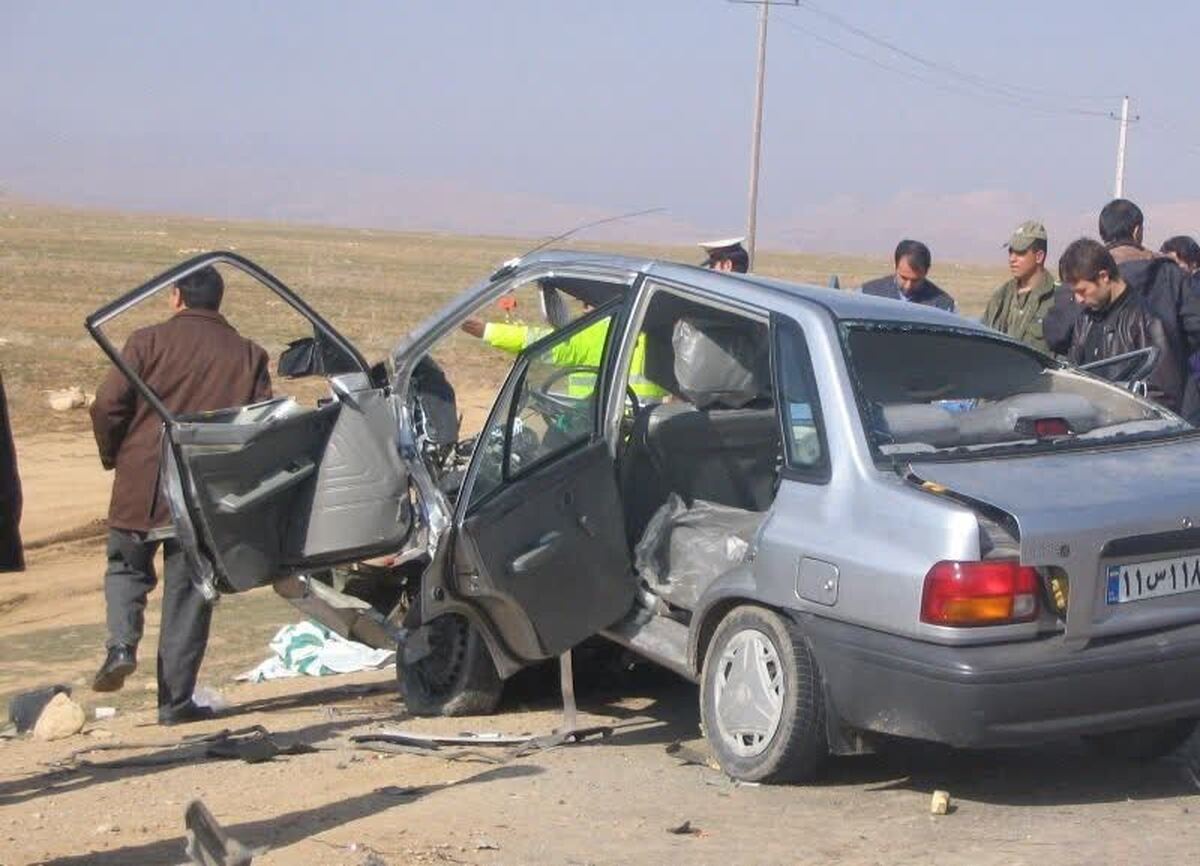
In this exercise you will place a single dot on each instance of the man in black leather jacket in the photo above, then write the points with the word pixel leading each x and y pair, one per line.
pixel 1157 279
pixel 1114 319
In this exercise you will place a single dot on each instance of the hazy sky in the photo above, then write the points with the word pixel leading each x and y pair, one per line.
pixel 520 116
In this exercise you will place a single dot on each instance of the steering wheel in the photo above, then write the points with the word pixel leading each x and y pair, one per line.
pixel 541 394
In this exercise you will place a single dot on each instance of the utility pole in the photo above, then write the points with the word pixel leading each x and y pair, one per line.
pixel 756 136
pixel 1119 186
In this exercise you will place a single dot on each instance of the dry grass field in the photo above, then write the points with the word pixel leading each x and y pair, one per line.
pixel 57 265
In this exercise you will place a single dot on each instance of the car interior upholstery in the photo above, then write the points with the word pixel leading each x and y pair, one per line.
pixel 717 439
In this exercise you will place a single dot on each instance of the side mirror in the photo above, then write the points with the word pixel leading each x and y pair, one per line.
pixel 311 357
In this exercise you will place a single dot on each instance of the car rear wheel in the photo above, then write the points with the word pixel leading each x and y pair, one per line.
pixel 1143 744
pixel 761 704
pixel 456 678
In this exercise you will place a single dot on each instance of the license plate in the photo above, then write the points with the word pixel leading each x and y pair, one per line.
pixel 1154 578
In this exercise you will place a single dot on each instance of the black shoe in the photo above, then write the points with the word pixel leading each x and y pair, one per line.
pixel 189 712
pixel 119 664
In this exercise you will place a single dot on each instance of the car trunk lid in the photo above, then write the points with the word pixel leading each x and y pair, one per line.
pixel 1108 518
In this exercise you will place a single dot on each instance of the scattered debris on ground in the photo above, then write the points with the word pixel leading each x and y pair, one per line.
pixel 690 757
pixel 209 845
pixel 24 709
pixel 309 649
pixel 254 745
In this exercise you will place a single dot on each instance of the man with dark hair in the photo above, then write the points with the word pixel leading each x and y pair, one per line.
pixel 195 362
pixel 1019 306
pixel 1158 280
pixel 726 255
pixel 202 290
pixel 1122 224
pixel 909 283
pixel 1184 251
pixel 1114 319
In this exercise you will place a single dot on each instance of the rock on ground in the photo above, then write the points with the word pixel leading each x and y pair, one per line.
pixel 60 718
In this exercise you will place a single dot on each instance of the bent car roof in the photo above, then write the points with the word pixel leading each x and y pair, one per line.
pixel 840 303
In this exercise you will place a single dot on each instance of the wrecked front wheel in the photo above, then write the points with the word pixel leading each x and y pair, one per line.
pixel 457 676
pixel 761 704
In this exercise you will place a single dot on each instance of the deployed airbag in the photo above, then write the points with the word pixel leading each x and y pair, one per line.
pixel 717 363
pixel 683 550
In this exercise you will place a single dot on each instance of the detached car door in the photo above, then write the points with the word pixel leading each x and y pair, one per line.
pixel 539 548
pixel 262 491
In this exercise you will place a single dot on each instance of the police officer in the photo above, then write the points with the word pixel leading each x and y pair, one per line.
pixel 585 348
pixel 727 255
pixel 1018 307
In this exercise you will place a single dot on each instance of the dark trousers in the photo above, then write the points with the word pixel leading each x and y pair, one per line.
pixel 186 616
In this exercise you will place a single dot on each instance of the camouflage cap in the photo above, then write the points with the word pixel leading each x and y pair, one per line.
pixel 1025 234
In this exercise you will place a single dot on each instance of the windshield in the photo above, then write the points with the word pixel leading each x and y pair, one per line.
pixel 935 391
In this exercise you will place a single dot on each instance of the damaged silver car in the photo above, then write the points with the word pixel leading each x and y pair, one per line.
pixel 844 517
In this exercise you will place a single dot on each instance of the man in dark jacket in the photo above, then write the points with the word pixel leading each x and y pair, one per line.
pixel 1114 319
pixel 195 362
pixel 909 283
pixel 1161 283
pixel 12 556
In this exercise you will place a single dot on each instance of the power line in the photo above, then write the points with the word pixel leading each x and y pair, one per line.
pixel 1025 96
pixel 959 89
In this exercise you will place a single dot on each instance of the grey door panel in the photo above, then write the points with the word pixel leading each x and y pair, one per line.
pixel 360 498
pixel 277 492
pixel 257 492
pixel 546 556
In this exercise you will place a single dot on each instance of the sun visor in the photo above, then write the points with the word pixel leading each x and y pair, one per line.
pixel 594 293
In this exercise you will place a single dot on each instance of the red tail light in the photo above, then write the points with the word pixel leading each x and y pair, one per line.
pixel 979 593
pixel 1045 428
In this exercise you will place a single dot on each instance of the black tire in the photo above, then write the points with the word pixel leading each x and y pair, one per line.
pixel 798 746
pixel 1143 744
pixel 457 678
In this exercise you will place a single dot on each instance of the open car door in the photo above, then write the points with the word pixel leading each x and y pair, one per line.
pixel 539 548
pixel 263 491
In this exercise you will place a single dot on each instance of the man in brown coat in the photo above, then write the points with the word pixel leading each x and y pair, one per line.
pixel 195 362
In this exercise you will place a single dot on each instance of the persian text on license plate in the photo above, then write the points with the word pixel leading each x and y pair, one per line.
pixel 1154 578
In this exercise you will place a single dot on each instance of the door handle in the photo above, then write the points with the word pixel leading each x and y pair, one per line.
pixel 585 523
pixel 277 482
pixel 536 555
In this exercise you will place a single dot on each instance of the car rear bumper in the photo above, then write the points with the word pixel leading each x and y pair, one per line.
pixel 1005 694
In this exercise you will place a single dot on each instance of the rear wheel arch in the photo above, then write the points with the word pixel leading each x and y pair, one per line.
pixel 710 618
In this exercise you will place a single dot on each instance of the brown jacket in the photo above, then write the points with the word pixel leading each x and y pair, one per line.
pixel 195 362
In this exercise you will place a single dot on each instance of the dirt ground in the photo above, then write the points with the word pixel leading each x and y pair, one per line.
pixel 609 801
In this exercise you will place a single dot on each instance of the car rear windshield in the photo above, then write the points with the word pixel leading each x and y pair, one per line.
pixel 939 392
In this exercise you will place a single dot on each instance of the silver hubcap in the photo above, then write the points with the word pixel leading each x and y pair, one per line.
pixel 748 693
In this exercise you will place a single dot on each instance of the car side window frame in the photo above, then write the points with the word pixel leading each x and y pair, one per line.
pixel 510 392
pixel 787 328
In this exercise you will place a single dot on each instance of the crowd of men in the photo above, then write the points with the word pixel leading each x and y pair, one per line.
pixel 1113 296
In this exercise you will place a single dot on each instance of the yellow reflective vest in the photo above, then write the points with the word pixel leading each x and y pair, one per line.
pixel 584 349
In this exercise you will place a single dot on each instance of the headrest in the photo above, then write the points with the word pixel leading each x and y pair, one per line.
pixel 720 363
